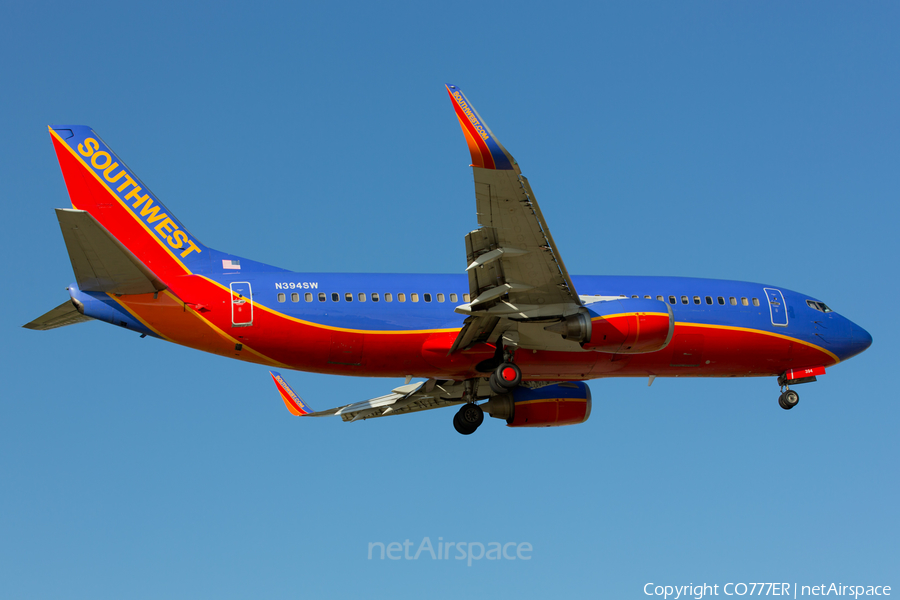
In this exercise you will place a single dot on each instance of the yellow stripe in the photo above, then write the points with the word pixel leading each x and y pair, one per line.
pixel 631 314
pixel 226 336
pixel 138 317
pixel 116 196
pixel 761 332
pixel 730 328
pixel 203 320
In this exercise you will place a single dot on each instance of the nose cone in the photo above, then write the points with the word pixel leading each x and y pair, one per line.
pixel 860 339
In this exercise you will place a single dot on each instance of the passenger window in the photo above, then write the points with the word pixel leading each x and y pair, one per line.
pixel 635 296
pixel 361 296
pixel 281 297
pixel 335 297
pixel 684 299
pixel 732 300
pixel 401 297
pixel 440 297
pixel 374 296
pixel 756 302
pixel 709 299
pixel 295 297
pixel 660 298
pixel 696 299
pixel 308 296
pixel 454 298
pixel 388 297
pixel 321 296
pixel 671 299
pixel 414 297
pixel 721 300
pixel 744 302
pixel 426 297
pixel 466 298
pixel 348 297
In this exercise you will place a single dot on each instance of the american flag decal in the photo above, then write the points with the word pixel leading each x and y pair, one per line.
pixel 231 264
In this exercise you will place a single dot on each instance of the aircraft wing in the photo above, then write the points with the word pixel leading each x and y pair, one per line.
pixel 412 397
pixel 515 269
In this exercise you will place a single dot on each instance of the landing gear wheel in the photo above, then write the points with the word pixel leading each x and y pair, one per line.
pixel 468 418
pixel 788 399
pixel 505 377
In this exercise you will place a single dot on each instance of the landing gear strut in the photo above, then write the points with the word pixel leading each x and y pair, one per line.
pixel 788 399
pixel 468 418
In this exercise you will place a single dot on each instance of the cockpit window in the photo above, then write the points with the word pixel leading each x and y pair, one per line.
pixel 819 306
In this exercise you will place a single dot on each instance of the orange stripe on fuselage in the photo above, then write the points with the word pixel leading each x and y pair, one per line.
pixel 168 317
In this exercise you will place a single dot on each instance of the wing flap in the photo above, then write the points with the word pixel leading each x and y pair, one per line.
pixel 101 263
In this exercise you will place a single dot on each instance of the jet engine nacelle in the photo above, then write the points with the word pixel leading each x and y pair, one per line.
pixel 567 403
pixel 630 326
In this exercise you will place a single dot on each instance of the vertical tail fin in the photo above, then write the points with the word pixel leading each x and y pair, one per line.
pixel 99 183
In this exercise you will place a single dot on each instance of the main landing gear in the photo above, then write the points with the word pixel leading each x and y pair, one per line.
pixel 468 418
pixel 503 379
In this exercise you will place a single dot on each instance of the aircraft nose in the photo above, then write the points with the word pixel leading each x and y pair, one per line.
pixel 860 339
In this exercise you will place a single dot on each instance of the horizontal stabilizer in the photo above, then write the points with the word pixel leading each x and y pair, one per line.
pixel 62 315
pixel 101 263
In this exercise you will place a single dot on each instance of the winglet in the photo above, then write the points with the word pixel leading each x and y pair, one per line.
pixel 294 403
pixel 486 151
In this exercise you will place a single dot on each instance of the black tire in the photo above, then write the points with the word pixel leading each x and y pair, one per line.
pixel 507 376
pixel 471 415
pixel 495 386
pixel 790 399
pixel 461 427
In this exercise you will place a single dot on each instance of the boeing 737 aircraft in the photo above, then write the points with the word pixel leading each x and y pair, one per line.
pixel 514 336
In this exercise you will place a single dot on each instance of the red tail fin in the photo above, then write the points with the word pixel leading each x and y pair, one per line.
pixel 100 183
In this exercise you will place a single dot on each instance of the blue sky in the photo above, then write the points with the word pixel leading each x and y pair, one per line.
pixel 753 141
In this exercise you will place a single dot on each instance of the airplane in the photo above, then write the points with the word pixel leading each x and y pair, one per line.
pixel 513 335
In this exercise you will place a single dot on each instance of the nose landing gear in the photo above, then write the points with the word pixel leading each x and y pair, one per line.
pixel 788 400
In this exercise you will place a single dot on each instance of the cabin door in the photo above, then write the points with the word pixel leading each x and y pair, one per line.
pixel 777 309
pixel 241 304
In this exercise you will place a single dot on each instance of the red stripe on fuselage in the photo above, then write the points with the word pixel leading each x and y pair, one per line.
pixel 277 340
